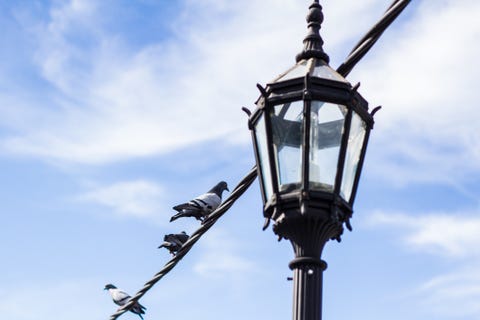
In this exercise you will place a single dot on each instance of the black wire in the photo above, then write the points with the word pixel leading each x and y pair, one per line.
pixel 206 225
pixel 367 42
pixel 357 53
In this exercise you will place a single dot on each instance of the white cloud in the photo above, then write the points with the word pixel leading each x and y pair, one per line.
pixel 111 100
pixel 114 101
pixel 452 237
pixel 424 76
pixel 137 198
pixel 57 54
pixel 455 294
pixel 449 235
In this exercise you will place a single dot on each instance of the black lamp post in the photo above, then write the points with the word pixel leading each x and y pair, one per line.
pixel 310 133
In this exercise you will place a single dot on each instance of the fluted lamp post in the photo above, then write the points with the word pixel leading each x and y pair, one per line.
pixel 310 132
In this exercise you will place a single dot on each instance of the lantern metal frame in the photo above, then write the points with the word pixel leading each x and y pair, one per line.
pixel 307 216
pixel 307 201
pixel 307 270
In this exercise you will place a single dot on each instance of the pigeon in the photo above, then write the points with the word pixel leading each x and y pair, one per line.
pixel 121 298
pixel 173 242
pixel 203 205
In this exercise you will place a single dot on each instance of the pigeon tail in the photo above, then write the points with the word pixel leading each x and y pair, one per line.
pixel 138 309
pixel 178 215
pixel 175 217
pixel 197 214
pixel 164 245
pixel 187 205
pixel 172 248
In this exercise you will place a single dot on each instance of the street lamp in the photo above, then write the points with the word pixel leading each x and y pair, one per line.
pixel 310 132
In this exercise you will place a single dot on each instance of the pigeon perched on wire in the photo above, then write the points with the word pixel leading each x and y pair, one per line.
pixel 121 298
pixel 203 205
pixel 173 242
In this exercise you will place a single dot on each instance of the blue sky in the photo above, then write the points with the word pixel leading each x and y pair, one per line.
pixel 111 112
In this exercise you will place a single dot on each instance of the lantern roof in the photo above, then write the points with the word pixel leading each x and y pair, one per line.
pixel 314 67
pixel 312 60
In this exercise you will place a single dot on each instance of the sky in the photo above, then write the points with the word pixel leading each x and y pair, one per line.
pixel 112 112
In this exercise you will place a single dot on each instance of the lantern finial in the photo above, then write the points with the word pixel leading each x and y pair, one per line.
pixel 312 44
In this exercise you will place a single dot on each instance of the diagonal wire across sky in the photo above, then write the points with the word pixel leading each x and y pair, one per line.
pixel 357 53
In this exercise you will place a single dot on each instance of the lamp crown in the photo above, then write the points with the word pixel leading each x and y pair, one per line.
pixel 313 42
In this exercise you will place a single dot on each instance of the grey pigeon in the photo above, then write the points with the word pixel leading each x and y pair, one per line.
pixel 121 298
pixel 203 205
pixel 173 242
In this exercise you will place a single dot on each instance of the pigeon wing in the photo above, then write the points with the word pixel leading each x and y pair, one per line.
pixel 209 201
pixel 183 237
pixel 165 245
pixel 120 297
pixel 169 238
pixel 178 243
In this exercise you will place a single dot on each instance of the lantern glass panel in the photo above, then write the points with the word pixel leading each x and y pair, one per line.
pixel 287 131
pixel 262 151
pixel 326 129
pixel 298 71
pixel 352 158
pixel 324 71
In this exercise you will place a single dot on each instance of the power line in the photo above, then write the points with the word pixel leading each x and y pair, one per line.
pixel 206 225
pixel 357 53
pixel 369 39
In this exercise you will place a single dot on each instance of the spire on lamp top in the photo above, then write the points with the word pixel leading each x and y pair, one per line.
pixel 312 44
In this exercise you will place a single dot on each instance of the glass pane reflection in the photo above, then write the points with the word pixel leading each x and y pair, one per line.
pixel 261 138
pixel 298 71
pixel 323 70
pixel 354 148
pixel 287 130
pixel 326 131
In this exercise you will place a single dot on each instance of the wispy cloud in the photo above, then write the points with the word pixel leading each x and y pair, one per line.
pixel 110 99
pixel 460 289
pixel 447 235
pixel 139 198
pixel 428 128
pixel 454 238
